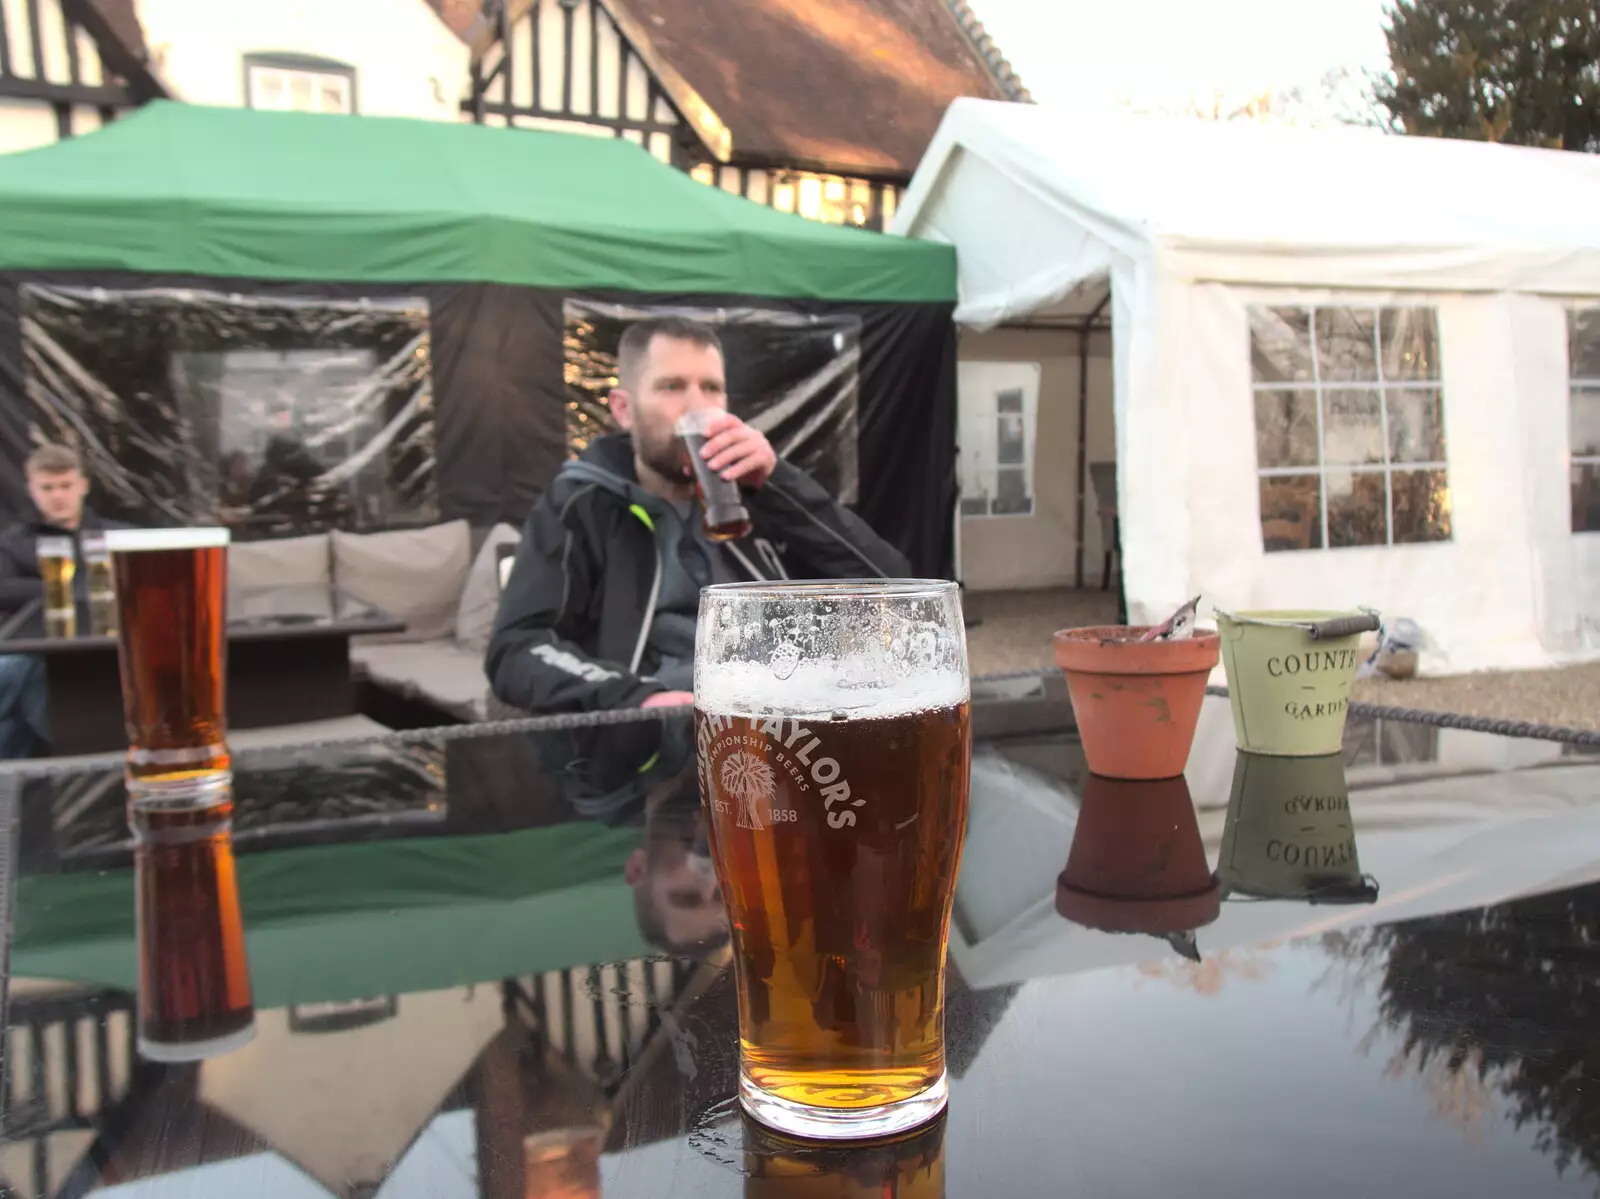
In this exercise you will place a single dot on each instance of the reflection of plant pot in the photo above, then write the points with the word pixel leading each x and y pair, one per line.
pixel 1289 835
pixel 1289 677
pixel 1137 864
pixel 1136 702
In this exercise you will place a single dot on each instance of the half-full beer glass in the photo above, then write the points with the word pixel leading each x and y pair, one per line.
pixel 171 587
pixel 834 749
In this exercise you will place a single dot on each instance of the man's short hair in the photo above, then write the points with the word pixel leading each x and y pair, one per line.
pixel 53 460
pixel 636 339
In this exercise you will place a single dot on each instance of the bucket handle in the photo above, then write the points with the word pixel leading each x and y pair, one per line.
pixel 1318 630
pixel 1343 626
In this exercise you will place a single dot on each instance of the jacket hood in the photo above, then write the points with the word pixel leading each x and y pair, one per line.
pixel 608 464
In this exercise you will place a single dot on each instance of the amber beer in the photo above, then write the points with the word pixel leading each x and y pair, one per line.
pixel 726 518
pixel 102 592
pixel 58 565
pixel 172 651
pixel 909 1166
pixel 836 829
pixel 194 977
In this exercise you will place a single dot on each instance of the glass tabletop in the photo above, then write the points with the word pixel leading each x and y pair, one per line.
pixel 497 966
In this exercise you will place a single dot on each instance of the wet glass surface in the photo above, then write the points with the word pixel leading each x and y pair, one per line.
pixel 1368 974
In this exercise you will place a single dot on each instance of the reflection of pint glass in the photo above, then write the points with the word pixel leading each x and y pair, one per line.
pixel 58 564
pixel 726 517
pixel 834 747
pixel 909 1166
pixel 172 649
pixel 194 978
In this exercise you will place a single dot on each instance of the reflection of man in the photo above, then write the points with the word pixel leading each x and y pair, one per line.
pixel 639 773
pixel 676 897
pixel 58 488
pixel 600 608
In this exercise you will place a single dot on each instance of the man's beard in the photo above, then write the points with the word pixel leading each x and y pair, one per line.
pixel 665 457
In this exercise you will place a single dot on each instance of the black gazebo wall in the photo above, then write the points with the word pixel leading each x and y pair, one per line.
pixel 502 400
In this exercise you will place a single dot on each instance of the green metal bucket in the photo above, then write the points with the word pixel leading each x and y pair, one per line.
pixel 1289 676
pixel 1289 834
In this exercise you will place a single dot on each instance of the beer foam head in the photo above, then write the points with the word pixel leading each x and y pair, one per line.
pixel 816 692
pixel 124 541
pixel 849 648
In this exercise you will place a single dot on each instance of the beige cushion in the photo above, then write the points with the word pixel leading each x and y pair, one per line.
pixel 480 598
pixel 287 577
pixel 414 575
pixel 447 675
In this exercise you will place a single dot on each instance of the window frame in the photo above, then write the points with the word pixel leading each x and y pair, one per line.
pixel 304 64
pixel 1575 384
pixel 1028 389
pixel 1317 386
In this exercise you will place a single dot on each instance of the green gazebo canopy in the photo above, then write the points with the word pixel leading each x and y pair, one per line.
pixel 183 189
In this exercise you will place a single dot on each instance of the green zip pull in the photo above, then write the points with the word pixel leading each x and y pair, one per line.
pixel 638 510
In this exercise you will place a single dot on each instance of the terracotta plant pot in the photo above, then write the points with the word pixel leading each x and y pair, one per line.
pixel 1136 702
pixel 1137 863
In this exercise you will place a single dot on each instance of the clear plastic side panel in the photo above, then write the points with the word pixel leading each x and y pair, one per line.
pixel 793 375
pixel 271 415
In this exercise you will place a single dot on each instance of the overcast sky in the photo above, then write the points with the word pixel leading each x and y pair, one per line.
pixel 1160 53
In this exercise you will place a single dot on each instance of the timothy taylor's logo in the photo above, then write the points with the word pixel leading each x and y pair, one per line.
pixel 749 780
pixel 752 762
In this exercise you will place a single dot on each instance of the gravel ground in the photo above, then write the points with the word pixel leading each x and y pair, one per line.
pixel 1016 626
pixel 1567 695
pixel 1014 631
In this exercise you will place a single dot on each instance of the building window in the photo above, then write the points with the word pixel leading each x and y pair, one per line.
pixel 298 83
pixel 999 406
pixel 1583 369
pixel 1349 414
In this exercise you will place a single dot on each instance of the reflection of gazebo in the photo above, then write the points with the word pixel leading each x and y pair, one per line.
pixel 341 1092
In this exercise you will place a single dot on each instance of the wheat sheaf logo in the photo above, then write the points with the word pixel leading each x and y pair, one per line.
pixel 749 780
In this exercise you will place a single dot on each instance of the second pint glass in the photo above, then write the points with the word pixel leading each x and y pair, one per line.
pixel 834 749
pixel 171 587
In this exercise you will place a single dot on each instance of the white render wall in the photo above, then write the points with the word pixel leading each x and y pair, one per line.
pixel 407 62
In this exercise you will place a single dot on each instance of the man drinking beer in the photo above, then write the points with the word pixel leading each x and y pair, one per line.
pixel 600 608
pixel 58 488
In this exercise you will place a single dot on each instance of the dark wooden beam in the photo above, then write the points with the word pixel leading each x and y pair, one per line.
pixel 74 67
pixel 536 60
pixel 14 87
pixel 116 56
pixel 36 39
pixel 5 46
pixel 815 166
pixel 624 61
pixel 63 120
pixel 474 102
pixel 507 68
pixel 577 118
pixel 566 58
pixel 594 58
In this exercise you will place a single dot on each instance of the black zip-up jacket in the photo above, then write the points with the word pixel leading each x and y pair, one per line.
pixel 20 581
pixel 571 631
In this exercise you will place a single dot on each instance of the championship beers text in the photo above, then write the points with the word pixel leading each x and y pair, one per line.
pixel 755 764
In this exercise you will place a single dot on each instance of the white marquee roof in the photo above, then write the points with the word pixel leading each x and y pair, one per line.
pixel 1041 203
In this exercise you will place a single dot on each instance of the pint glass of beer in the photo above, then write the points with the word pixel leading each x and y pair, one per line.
pixel 171 586
pixel 58 564
pixel 194 978
pixel 102 593
pixel 726 518
pixel 834 748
